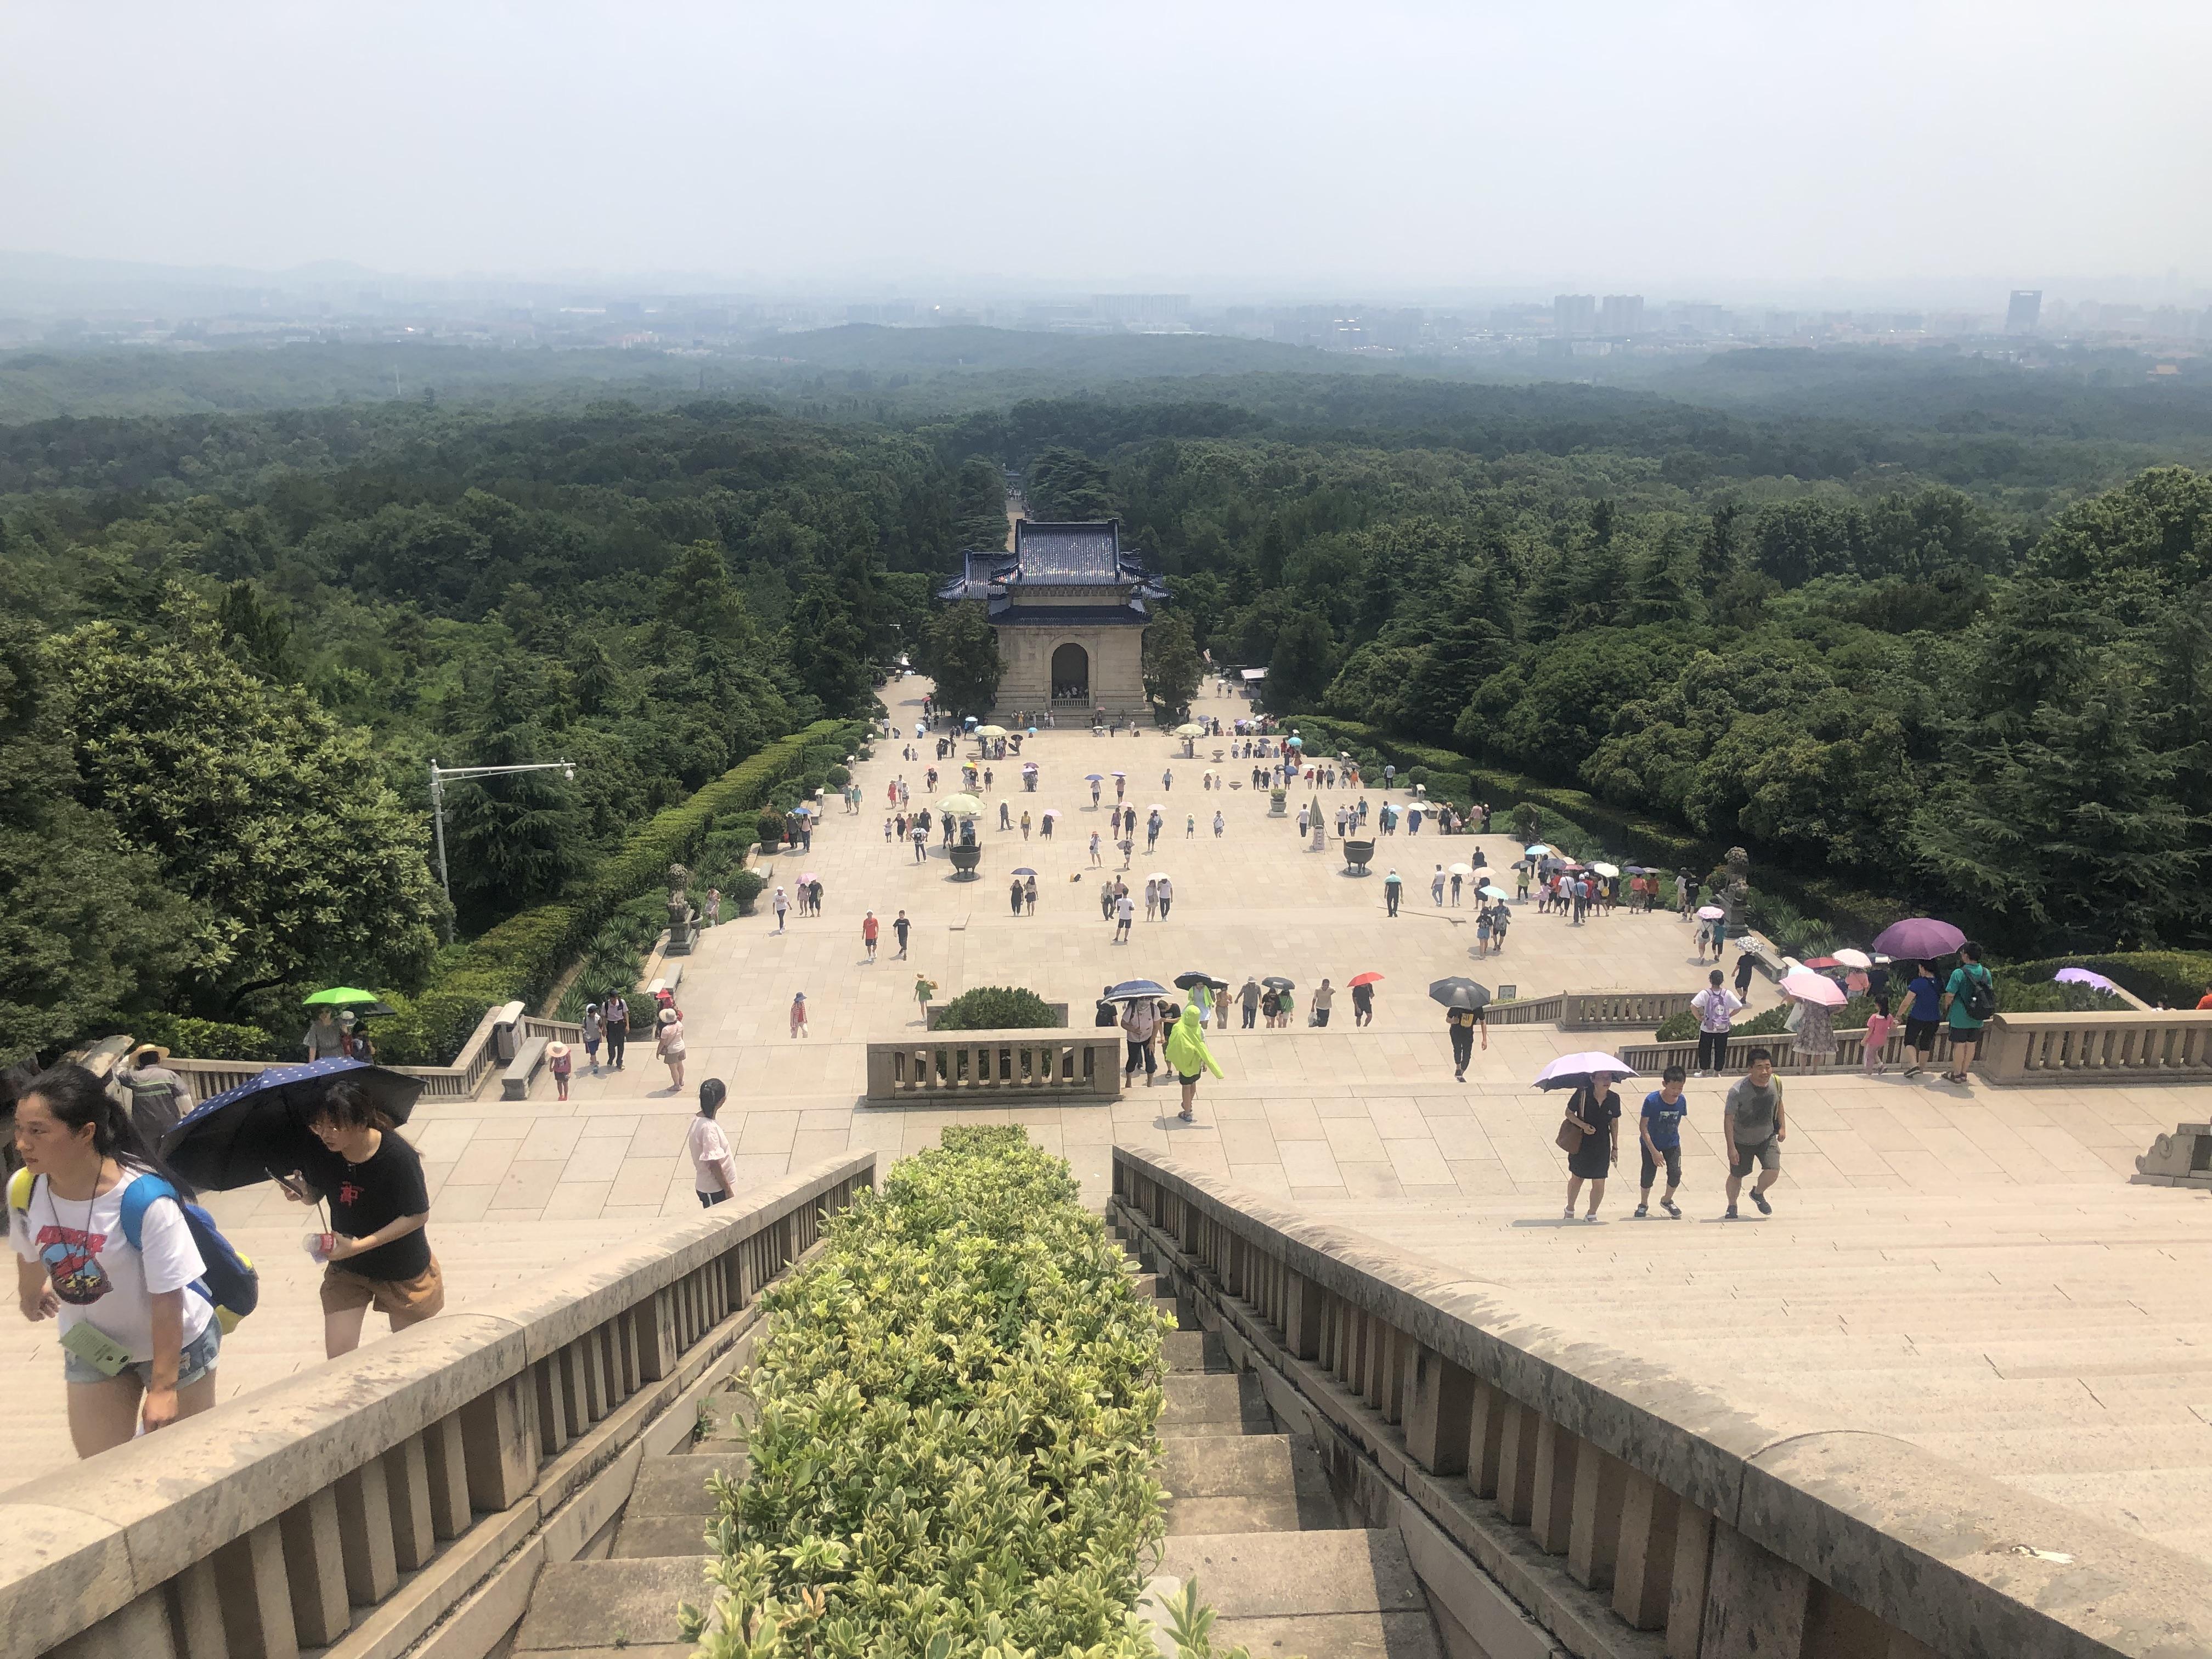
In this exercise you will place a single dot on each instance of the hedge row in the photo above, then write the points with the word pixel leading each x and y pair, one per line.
pixel 1571 817
pixel 956 1429
pixel 525 955
pixel 2165 979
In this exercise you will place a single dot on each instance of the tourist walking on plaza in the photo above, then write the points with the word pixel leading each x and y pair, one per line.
pixel 781 906
pixel 1391 887
pixel 1220 823
pixel 1189 1057
pixel 1249 998
pixel 82 1156
pixel 924 988
pixel 714 1170
pixel 379 1250
pixel 1878 1027
pixel 1463 1023
pixel 594 1028
pixel 158 1096
pixel 1596 1109
pixel 1029 893
pixel 1124 913
pixel 1140 1021
pixel 558 1063
pixel 1324 998
pixel 1017 895
pixel 1923 1012
pixel 901 926
pixel 1166 896
pixel 1753 1129
pixel 1715 1007
pixel 1971 997
pixel 920 839
pixel 1096 858
pixel 1660 1128
pixel 616 1010
pixel 870 930
pixel 1482 933
pixel 1152 899
pixel 1363 1004
pixel 1437 887
pixel 798 1014
pixel 668 1043
pixel 1811 1031
pixel 1746 966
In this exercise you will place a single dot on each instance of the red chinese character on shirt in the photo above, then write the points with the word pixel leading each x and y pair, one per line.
pixel 349 1194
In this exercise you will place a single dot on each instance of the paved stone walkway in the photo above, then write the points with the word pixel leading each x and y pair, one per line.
pixel 1364 1125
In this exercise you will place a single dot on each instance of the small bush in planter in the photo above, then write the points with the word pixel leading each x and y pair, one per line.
pixel 746 888
pixel 997 1008
pixel 840 776
pixel 770 828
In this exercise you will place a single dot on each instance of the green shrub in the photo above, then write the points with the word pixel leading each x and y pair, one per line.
pixel 956 1436
pixel 840 775
pixel 2165 979
pixel 997 1008
pixel 746 890
pixel 210 1039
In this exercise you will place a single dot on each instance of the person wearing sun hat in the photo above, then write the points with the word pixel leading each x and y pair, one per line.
pixel 558 1063
pixel 158 1096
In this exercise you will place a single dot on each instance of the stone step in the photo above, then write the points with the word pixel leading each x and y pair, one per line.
pixel 1214 1403
pixel 587 1609
pixel 1338 1595
pixel 1194 1352
pixel 670 1506
pixel 1247 1483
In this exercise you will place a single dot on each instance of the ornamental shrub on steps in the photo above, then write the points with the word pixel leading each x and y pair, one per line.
pixel 956 1435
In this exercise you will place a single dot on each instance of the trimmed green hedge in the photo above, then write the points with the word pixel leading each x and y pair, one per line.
pixel 956 1430
pixel 212 1039
pixel 2167 979
pixel 997 1008
pixel 525 955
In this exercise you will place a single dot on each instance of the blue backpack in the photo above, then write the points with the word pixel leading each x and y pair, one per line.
pixel 230 1284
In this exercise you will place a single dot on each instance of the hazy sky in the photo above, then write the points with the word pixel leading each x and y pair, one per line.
pixel 1268 145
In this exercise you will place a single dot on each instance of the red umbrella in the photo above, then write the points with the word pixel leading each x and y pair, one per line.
pixel 1822 961
pixel 1364 979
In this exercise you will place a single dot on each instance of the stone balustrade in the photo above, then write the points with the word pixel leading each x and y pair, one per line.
pixel 1553 1494
pixel 489 1046
pixel 2152 1046
pixel 1609 1011
pixel 1084 1066
pixel 361 1504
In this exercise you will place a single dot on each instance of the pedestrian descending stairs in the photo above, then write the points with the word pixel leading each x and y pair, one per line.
pixel 1250 1515
pixel 1251 1519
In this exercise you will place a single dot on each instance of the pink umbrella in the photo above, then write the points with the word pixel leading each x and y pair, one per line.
pixel 2083 977
pixel 1052 811
pixel 1809 986
pixel 1918 936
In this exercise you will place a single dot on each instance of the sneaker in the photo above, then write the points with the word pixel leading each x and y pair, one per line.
pixel 1642 1210
pixel 1671 1207
pixel 1760 1198
pixel 1730 1214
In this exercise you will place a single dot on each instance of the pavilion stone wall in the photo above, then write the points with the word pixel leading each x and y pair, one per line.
pixel 1117 674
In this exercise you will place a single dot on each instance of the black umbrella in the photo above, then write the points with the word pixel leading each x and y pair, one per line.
pixel 1139 990
pixel 1277 982
pixel 1459 994
pixel 245 1133
pixel 1185 982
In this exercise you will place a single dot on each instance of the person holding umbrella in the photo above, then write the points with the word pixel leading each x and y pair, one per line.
pixel 1140 1020
pixel 138 1345
pixel 1189 1058
pixel 1464 1001
pixel 1812 1034
pixel 1363 999
pixel 1596 1109
pixel 324 1038
pixel 379 1209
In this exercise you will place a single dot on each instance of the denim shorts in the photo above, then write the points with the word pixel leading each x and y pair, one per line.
pixel 194 1363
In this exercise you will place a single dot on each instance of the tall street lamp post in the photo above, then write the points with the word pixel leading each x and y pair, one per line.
pixel 438 776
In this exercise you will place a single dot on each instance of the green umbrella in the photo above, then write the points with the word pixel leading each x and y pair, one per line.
pixel 340 996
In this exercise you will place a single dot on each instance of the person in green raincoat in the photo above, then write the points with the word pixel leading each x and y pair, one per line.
pixel 1188 1056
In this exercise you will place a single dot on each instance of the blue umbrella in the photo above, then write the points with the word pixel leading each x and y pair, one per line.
pixel 1094 777
pixel 245 1134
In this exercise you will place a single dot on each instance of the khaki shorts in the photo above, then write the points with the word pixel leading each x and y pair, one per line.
pixel 419 1297
pixel 1767 1154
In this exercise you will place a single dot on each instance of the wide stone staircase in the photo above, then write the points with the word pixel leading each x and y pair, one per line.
pixel 1251 1519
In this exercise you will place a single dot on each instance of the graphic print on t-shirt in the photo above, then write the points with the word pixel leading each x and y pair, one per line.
pixel 72 1259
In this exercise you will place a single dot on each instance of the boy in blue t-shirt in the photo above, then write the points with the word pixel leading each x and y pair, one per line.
pixel 1660 1129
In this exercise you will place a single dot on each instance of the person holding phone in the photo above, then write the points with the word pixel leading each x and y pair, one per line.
pixel 377 1252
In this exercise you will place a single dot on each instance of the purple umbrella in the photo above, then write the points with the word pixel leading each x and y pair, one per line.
pixel 1918 936
pixel 2083 977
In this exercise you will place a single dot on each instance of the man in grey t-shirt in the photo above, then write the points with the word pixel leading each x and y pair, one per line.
pixel 1756 1127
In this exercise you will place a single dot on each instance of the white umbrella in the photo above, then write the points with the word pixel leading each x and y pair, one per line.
pixel 1712 913
pixel 1052 811
pixel 1809 986
pixel 1569 1071
pixel 1462 869
pixel 1158 806
pixel 1851 958
pixel 1606 869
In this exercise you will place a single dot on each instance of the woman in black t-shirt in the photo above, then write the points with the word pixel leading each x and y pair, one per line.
pixel 1597 1109
pixel 379 1253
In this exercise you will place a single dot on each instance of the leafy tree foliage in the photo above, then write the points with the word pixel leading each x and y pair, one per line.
pixel 960 653
pixel 1172 666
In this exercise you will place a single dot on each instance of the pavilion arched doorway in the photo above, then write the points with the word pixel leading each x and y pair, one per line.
pixel 1071 674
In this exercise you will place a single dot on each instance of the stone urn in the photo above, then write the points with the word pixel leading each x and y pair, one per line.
pixel 1275 804
pixel 1356 854
pixel 965 856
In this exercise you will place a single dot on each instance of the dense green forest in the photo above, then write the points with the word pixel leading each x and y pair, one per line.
pixel 229 648
pixel 1938 630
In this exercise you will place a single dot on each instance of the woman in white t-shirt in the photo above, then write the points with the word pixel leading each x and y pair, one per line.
pixel 138 1345
pixel 714 1171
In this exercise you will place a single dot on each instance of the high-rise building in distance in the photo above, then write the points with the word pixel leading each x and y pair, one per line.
pixel 1620 314
pixel 1574 313
pixel 2026 306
